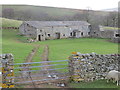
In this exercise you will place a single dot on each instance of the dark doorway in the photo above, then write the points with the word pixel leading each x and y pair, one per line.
pixel 57 35
pixel 71 34
pixel 74 34
pixel 39 37
pixel 117 35
pixel 81 33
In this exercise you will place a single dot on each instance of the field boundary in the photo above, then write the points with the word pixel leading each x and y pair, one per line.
pixel 9 27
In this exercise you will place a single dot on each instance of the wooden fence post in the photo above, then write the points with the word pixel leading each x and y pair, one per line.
pixel 7 70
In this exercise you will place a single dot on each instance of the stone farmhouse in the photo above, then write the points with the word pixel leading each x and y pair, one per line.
pixel 45 30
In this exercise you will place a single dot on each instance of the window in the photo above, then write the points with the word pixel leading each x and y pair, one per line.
pixel 27 24
pixel 117 35
pixel 49 35
pixel 94 32
pixel 63 34
pixel 40 30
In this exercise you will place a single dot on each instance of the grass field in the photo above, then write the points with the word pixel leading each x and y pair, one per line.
pixel 62 48
pixel 95 84
pixel 59 50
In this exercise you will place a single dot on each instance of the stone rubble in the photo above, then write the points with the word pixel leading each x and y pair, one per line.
pixel 89 67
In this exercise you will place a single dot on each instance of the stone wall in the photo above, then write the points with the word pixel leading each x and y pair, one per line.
pixel 7 70
pixel 89 67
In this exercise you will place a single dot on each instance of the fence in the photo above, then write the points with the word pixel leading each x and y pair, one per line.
pixel 82 67
pixel 9 27
pixel 13 73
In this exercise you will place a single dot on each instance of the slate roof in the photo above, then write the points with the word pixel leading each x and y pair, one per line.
pixel 39 24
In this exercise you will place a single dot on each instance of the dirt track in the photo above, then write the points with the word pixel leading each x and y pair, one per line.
pixel 40 84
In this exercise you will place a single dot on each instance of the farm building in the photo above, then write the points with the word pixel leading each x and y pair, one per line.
pixel 44 30
pixel 109 32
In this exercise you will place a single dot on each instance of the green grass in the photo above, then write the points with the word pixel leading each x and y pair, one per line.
pixel 94 84
pixel 61 49
pixel 10 43
pixel 10 22
pixel 111 28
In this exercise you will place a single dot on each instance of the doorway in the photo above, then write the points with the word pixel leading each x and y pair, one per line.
pixel 39 37
pixel 74 34
pixel 58 35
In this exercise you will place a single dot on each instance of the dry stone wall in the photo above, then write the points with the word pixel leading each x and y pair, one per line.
pixel 89 67
pixel 7 70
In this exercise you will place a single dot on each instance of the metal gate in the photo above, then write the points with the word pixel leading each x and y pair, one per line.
pixel 14 74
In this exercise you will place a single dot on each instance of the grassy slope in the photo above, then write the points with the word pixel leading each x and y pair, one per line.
pixel 10 44
pixel 51 11
pixel 10 23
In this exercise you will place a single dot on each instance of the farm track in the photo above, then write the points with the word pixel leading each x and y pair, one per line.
pixel 43 74
pixel 28 59
pixel 49 83
pixel 45 57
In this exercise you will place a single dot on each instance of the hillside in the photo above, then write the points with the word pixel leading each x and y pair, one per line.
pixel 30 12
pixel 10 22
pixel 111 9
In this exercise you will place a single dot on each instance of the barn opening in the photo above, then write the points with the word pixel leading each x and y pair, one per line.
pixel 74 34
pixel 39 37
pixel 58 35
pixel 71 34
pixel 81 33
pixel 117 35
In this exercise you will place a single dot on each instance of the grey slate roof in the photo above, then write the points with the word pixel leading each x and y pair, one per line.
pixel 39 24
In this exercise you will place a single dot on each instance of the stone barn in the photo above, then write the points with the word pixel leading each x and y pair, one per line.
pixel 44 30
pixel 108 32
